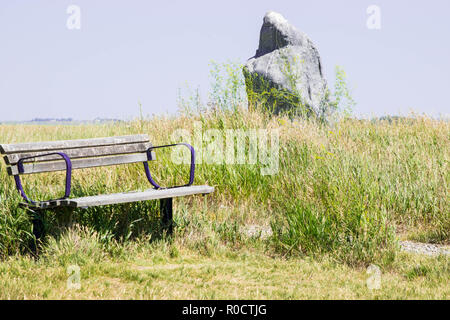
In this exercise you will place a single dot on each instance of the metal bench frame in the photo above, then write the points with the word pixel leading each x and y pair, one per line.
pixel 28 158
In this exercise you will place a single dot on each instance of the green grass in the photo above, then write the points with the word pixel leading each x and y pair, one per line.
pixel 173 270
pixel 345 192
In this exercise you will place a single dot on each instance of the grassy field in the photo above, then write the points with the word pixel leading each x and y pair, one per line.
pixel 343 194
pixel 164 270
pixel 342 198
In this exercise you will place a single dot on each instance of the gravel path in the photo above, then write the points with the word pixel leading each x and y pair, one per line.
pixel 256 231
pixel 424 248
pixel 263 232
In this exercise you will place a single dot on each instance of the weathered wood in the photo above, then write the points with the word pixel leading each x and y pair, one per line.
pixel 116 198
pixel 69 144
pixel 88 153
pixel 150 194
pixel 77 153
pixel 46 204
pixel 78 163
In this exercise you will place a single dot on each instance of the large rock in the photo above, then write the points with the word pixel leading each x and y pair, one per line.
pixel 286 72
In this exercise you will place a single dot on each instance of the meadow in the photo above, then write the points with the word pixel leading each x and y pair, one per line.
pixel 345 193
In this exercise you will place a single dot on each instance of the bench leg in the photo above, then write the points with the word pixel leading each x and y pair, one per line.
pixel 166 207
pixel 64 218
pixel 38 229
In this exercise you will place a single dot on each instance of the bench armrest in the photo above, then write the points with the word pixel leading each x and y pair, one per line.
pixel 191 172
pixel 68 174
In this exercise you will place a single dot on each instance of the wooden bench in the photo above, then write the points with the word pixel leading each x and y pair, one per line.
pixel 50 156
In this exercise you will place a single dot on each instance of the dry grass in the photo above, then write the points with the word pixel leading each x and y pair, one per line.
pixel 342 193
pixel 156 272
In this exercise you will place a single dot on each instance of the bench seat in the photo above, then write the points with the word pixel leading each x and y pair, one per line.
pixel 125 197
pixel 68 155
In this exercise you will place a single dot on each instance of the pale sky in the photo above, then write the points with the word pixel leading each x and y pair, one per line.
pixel 130 51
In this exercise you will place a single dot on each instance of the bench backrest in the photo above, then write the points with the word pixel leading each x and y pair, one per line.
pixel 83 153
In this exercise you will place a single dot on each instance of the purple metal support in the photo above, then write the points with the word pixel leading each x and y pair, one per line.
pixel 191 172
pixel 68 175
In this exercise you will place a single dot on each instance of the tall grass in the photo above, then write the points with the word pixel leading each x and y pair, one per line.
pixel 343 190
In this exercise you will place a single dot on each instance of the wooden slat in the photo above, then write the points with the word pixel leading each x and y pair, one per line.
pixel 67 144
pixel 78 163
pixel 150 194
pixel 46 204
pixel 77 153
pixel 116 198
